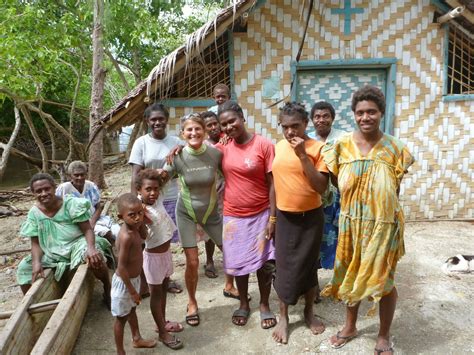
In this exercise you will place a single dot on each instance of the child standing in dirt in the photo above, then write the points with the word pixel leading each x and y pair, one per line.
pixel 126 280
pixel 157 262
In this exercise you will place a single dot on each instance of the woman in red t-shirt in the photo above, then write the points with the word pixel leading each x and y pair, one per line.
pixel 249 211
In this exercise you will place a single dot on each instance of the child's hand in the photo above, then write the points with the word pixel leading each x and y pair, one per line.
pixel 146 215
pixel 164 175
pixel 136 298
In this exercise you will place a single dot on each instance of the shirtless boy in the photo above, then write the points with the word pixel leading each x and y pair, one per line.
pixel 126 280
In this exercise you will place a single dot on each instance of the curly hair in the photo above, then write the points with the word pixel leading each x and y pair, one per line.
pixel 125 200
pixel 230 106
pixel 41 176
pixel 194 117
pixel 294 109
pixel 156 107
pixel 148 174
pixel 323 105
pixel 369 93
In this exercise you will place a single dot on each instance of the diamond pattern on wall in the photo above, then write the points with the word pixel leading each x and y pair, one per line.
pixel 440 135
pixel 336 87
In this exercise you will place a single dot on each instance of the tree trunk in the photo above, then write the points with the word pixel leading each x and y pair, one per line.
pixel 96 167
pixel 137 73
pixel 73 107
pixel 133 137
pixel 138 128
pixel 37 139
pixel 8 147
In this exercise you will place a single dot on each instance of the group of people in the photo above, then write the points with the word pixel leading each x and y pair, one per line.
pixel 328 199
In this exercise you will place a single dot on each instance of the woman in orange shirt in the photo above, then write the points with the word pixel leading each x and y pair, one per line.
pixel 300 178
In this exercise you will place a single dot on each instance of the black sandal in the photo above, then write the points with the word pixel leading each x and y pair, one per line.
pixel 193 319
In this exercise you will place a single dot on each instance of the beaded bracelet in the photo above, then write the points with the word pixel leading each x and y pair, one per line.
pixel 272 219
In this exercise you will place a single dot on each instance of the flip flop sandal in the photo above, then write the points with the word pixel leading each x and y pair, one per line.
pixel 210 271
pixel 345 339
pixel 193 319
pixel 241 313
pixel 174 344
pixel 266 316
pixel 173 287
pixel 380 351
pixel 231 295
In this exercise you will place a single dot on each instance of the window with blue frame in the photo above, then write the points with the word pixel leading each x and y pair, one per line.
pixel 460 63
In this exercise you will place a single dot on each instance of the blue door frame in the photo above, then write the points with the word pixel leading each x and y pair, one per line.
pixel 389 64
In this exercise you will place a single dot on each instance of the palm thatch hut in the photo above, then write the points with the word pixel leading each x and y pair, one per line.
pixel 272 50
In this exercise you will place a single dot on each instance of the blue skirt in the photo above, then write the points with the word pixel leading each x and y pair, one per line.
pixel 327 252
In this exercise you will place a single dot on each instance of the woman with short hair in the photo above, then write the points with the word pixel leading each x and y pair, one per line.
pixel 61 237
pixel 79 186
pixel 367 166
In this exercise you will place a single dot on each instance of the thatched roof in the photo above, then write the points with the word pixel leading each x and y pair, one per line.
pixel 156 86
pixel 466 20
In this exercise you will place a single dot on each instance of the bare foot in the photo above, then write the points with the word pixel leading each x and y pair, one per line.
pixel 383 346
pixel 144 343
pixel 316 326
pixel 342 337
pixel 280 334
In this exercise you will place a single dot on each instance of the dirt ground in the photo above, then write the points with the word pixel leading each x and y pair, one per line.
pixel 434 313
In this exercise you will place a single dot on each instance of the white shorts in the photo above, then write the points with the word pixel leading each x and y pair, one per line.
pixel 122 301
pixel 157 266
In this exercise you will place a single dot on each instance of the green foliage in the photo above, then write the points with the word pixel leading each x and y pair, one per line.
pixel 36 35
pixel 41 41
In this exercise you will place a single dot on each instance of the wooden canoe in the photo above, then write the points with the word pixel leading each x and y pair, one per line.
pixel 52 331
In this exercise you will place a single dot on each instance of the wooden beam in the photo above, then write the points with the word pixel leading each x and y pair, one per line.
pixel 34 308
pixel 468 15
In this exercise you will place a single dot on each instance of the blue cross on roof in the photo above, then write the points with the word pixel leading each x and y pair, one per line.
pixel 347 11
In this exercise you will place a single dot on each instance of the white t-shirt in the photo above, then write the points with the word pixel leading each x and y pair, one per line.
pixel 214 109
pixel 162 227
pixel 151 153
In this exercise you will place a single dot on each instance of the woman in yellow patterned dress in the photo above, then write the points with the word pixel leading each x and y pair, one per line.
pixel 368 167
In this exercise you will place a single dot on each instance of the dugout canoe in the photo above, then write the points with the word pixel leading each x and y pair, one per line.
pixel 50 315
